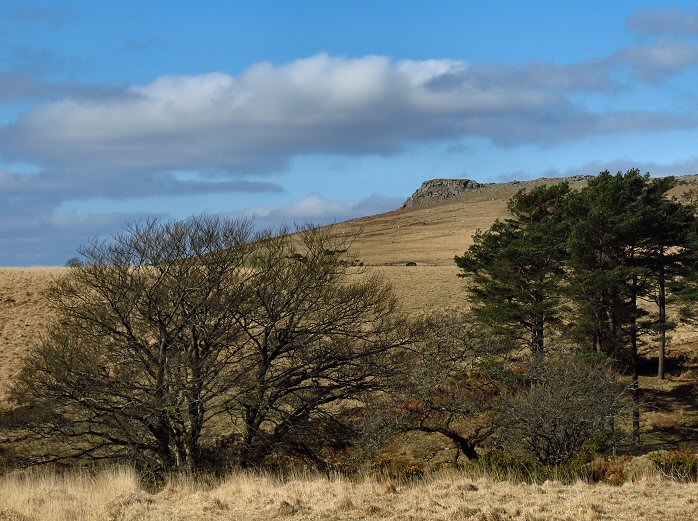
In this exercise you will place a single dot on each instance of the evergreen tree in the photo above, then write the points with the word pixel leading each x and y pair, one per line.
pixel 669 226
pixel 604 251
pixel 515 267
pixel 608 267
pixel 603 245
pixel 627 241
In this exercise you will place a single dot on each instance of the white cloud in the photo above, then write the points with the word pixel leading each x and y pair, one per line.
pixel 255 122
pixel 688 166
pixel 316 209
pixel 654 62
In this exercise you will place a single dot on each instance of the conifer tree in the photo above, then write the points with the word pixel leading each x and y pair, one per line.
pixel 608 269
pixel 627 240
pixel 669 226
pixel 515 267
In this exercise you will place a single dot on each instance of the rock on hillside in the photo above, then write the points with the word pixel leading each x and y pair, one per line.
pixel 437 190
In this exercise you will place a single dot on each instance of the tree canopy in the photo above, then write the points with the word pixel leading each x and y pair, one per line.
pixel 590 259
pixel 514 268
pixel 174 339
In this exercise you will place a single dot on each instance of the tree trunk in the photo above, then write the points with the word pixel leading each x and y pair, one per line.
pixel 464 444
pixel 252 451
pixel 635 386
pixel 537 338
pixel 662 317
pixel 538 324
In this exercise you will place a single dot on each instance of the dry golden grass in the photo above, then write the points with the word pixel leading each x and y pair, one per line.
pixel 23 315
pixel 432 235
pixel 116 496
pixel 429 236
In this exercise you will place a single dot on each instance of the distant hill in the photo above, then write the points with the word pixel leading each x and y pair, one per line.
pixel 431 231
pixel 429 235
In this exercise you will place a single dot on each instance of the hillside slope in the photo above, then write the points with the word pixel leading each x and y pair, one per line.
pixel 429 236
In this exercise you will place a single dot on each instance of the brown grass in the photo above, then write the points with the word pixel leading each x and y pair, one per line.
pixel 116 495
pixel 23 315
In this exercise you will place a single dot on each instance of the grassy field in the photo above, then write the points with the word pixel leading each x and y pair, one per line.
pixel 23 315
pixel 116 495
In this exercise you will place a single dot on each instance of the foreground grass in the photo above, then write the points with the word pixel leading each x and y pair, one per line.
pixel 116 495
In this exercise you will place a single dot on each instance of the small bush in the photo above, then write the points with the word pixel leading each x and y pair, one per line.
pixel 501 464
pixel 398 469
pixel 678 465
pixel 609 470
pixel 641 467
pixel 562 412
pixel 412 472
pixel 591 449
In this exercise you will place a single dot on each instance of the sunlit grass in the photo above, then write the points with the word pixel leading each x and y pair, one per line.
pixel 115 494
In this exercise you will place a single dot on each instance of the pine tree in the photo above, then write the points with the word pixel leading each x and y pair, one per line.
pixel 627 241
pixel 608 267
pixel 669 227
pixel 515 267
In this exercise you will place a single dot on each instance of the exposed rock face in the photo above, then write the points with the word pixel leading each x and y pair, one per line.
pixel 436 190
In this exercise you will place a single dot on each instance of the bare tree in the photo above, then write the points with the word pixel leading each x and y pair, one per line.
pixel 175 334
pixel 315 333
pixel 448 385
pixel 568 400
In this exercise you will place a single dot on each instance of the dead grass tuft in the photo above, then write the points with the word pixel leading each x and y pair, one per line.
pixel 450 496
pixel 128 506
pixel 8 514
pixel 390 489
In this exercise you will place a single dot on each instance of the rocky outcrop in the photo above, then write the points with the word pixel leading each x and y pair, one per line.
pixel 437 190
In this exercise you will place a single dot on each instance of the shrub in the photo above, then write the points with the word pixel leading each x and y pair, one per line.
pixel 591 449
pixel 565 412
pixel 398 469
pixel 641 467
pixel 609 470
pixel 501 464
pixel 678 465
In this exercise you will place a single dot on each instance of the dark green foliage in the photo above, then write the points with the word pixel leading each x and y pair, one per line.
pixel 603 250
pixel 515 267
pixel 627 241
pixel 671 253
pixel 605 264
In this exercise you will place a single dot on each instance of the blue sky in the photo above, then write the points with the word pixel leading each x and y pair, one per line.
pixel 316 111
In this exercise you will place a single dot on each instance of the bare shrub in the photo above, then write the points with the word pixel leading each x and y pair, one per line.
pixel 568 401
pixel 447 385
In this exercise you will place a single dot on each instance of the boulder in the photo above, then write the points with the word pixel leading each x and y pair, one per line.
pixel 437 190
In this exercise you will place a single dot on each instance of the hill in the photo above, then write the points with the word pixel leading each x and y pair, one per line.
pixel 414 249
pixel 428 235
